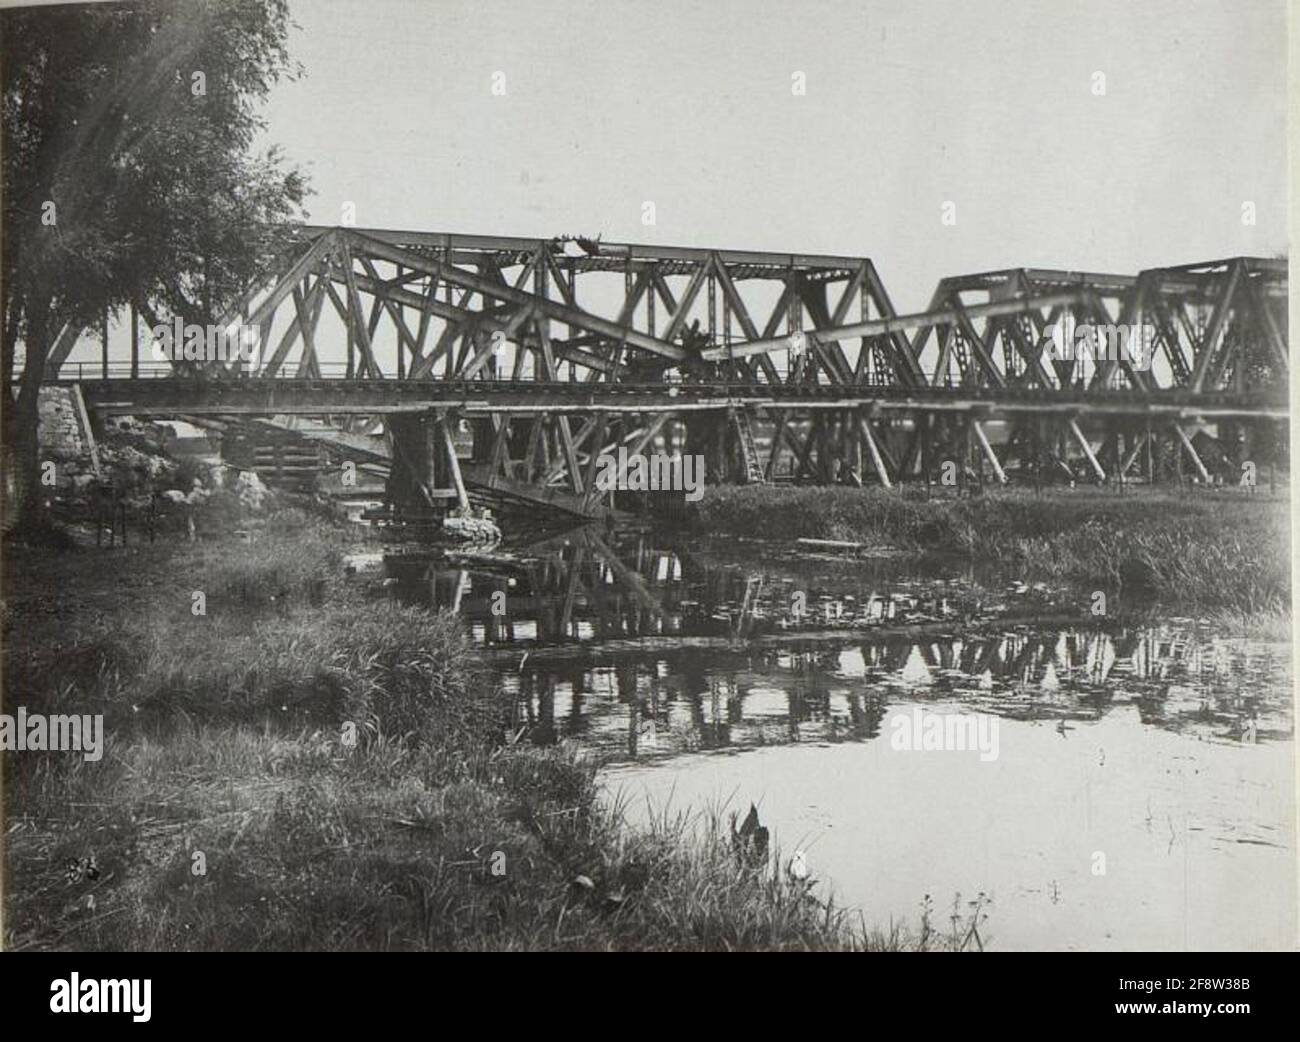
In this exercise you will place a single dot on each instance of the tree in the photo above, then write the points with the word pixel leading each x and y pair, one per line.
pixel 130 173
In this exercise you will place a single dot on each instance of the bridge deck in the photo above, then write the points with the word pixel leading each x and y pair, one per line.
pixel 284 396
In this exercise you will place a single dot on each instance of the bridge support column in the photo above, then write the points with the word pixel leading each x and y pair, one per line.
pixel 706 434
pixel 1084 444
pixel 424 479
pixel 412 476
pixel 1186 443
pixel 873 449
pixel 989 454
pixel 444 423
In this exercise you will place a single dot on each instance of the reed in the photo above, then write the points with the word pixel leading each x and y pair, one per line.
pixel 1207 550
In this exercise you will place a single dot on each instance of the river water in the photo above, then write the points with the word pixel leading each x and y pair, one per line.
pixel 1124 781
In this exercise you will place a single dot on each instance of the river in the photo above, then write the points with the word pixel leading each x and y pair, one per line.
pixel 1124 781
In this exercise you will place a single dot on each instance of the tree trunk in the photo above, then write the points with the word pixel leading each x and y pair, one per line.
pixel 22 418
pixel 12 317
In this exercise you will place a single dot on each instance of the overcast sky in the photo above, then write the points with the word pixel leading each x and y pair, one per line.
pixel 993 106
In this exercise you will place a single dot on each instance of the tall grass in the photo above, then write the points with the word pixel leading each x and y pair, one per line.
pixel 337 776
pixel 1204 550
pixel 305 848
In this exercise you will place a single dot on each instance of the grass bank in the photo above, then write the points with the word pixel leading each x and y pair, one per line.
pixel 304 764
pixel 1207 550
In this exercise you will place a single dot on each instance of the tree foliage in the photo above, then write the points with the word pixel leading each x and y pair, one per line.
pixel 130 168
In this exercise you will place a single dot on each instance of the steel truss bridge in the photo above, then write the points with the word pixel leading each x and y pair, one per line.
pixel 548 354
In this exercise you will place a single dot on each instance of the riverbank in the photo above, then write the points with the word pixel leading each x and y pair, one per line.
pixel 1224 553
pixel 294 761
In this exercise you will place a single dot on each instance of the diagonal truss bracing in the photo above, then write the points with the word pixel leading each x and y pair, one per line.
pixel 381 306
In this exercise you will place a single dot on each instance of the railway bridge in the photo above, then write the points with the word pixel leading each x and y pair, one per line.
pixel 509 367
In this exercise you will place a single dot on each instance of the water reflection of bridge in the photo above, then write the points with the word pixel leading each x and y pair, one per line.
pixel 692 700
pixel 625 642
pixel 585 586
pixel 574 587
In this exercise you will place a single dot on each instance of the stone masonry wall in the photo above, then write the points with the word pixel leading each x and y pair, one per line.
pixel 59 431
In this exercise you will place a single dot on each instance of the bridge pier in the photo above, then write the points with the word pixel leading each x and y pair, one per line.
pixel 707 435
pixel 424 480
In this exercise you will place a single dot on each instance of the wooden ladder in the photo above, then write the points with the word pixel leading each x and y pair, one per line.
pixel 748 450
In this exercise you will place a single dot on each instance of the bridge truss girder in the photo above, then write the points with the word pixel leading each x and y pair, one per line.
pixel 389 308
